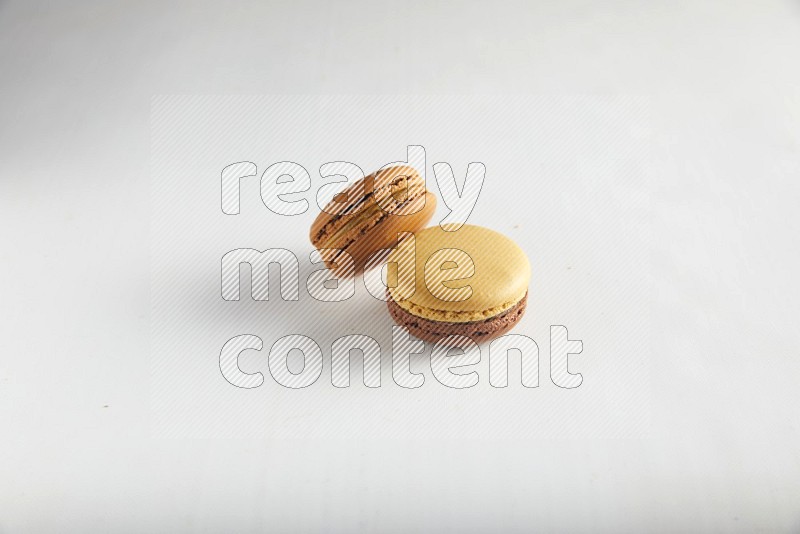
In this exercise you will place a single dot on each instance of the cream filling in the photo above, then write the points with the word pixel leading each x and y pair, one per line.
pixel 369 213
pixel 359 220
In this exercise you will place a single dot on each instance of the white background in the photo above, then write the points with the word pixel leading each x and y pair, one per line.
pixel 78 451
pixel 567 178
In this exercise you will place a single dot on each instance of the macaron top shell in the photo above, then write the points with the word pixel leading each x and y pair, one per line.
pixel 444 286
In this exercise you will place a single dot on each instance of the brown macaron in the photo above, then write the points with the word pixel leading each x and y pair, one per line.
pixel 478 331
pixel 368 216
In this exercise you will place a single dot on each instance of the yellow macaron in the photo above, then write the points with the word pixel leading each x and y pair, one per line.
pixel 471 282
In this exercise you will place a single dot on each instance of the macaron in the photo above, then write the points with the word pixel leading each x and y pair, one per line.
pixel 368 215
pixel 471 282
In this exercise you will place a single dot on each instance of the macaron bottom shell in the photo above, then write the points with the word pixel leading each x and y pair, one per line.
pixel 478 331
